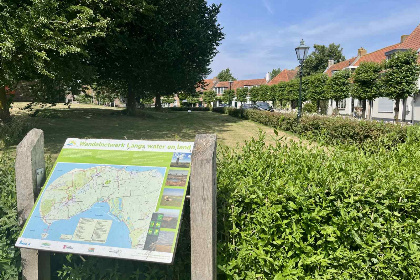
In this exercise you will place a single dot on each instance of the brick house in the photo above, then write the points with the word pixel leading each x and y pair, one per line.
pixel 382 108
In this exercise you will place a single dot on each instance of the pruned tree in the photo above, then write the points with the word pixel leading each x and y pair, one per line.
pixel 209 97
pixel 242 94
pixel 366 84
pixel 316 90
pixel 400 78
pixel 338 86
pixel 228 96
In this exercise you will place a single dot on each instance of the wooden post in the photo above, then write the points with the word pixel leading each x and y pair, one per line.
pixel 203 208
pixel 30 176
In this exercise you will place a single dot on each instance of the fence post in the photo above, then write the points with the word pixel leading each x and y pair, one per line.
pixel 203 208
pixel 30 176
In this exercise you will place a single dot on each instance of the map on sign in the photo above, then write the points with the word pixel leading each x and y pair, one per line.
pixel 113 198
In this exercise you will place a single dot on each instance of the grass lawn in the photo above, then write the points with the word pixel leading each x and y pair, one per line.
pixel 90 121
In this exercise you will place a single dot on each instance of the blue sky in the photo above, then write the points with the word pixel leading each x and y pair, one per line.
pixel 262 34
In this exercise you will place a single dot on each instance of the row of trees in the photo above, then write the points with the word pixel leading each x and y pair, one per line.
pixel 395 78
pixel 135 48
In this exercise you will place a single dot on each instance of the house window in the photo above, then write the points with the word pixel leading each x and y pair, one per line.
pixel 342 104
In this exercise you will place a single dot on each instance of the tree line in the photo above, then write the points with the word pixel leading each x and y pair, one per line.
pixel 135 48
pixel 395 78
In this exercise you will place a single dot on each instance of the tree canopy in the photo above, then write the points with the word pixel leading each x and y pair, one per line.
pixel 400 77
pixel 317 61
pixel 38 37
pixel 161 50
pixel 225 75
pixel 274 72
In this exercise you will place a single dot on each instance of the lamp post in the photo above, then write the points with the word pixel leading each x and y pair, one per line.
pixel 301 53
pixel 230 88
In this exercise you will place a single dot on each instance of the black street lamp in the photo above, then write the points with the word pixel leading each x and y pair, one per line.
pixel 301 53
pixel 230 88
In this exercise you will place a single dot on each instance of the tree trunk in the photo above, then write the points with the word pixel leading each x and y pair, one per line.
pixel 318 106
pixel 404 109
pixel 370 109
pixel 4 105
pixel 158 102
pixel 336 104
pixel 131 100
pixel 364 109
pixel 396 109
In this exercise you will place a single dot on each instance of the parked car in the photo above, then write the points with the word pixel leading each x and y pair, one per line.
pixel 264 106
pixel 248 106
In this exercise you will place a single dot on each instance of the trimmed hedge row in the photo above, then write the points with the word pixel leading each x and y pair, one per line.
pixel 200 109
pixel 292 212
pixel 332 130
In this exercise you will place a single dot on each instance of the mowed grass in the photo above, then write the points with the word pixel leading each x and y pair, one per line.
pixel 89 121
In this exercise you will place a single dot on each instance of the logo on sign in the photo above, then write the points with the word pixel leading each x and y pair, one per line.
pixel 66 247
pixel 45 244
pixel 71 143
pixel 91 250
pixel 24 243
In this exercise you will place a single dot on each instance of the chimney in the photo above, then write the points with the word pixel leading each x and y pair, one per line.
pixel 361 52
pixel 330 62
pixel 267 77
pixel 403 37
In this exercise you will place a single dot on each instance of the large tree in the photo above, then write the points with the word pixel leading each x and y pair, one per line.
pixel 274 72
pixel 225 75
pixel 400 78
pixel 317 61
pixel 38 37
pixel 157 50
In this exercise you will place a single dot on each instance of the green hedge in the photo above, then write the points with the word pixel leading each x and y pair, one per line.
pixel 9 256
pixel 291 212
pixel 332 130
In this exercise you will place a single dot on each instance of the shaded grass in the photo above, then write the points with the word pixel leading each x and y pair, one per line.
pixel 60 123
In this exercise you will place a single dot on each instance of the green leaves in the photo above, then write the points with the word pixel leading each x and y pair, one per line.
pixel 291 212
pixel 338 86
pixel 401 75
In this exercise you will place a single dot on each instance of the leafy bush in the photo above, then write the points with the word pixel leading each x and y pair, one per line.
pixel 9 230
pixel 331 130
pixel 310 107
pixel 292 212
pixel 12 132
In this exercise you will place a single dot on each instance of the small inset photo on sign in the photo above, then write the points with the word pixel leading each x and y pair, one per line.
pixel 170 218
pixel 177 178
pixel 164 242
pixel 181 160
pixel 172 197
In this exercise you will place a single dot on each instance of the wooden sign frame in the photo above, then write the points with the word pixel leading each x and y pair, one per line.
pixel 30 176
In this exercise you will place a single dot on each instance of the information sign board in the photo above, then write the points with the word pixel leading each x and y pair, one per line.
pixel 112 198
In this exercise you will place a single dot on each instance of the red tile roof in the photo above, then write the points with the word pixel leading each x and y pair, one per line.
pixel 208 85
pixel 376 56
pixel 340 66
pixel 253 82
pixel 223 85
pixel 241 83
pixel 283 76
pixel 413 40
